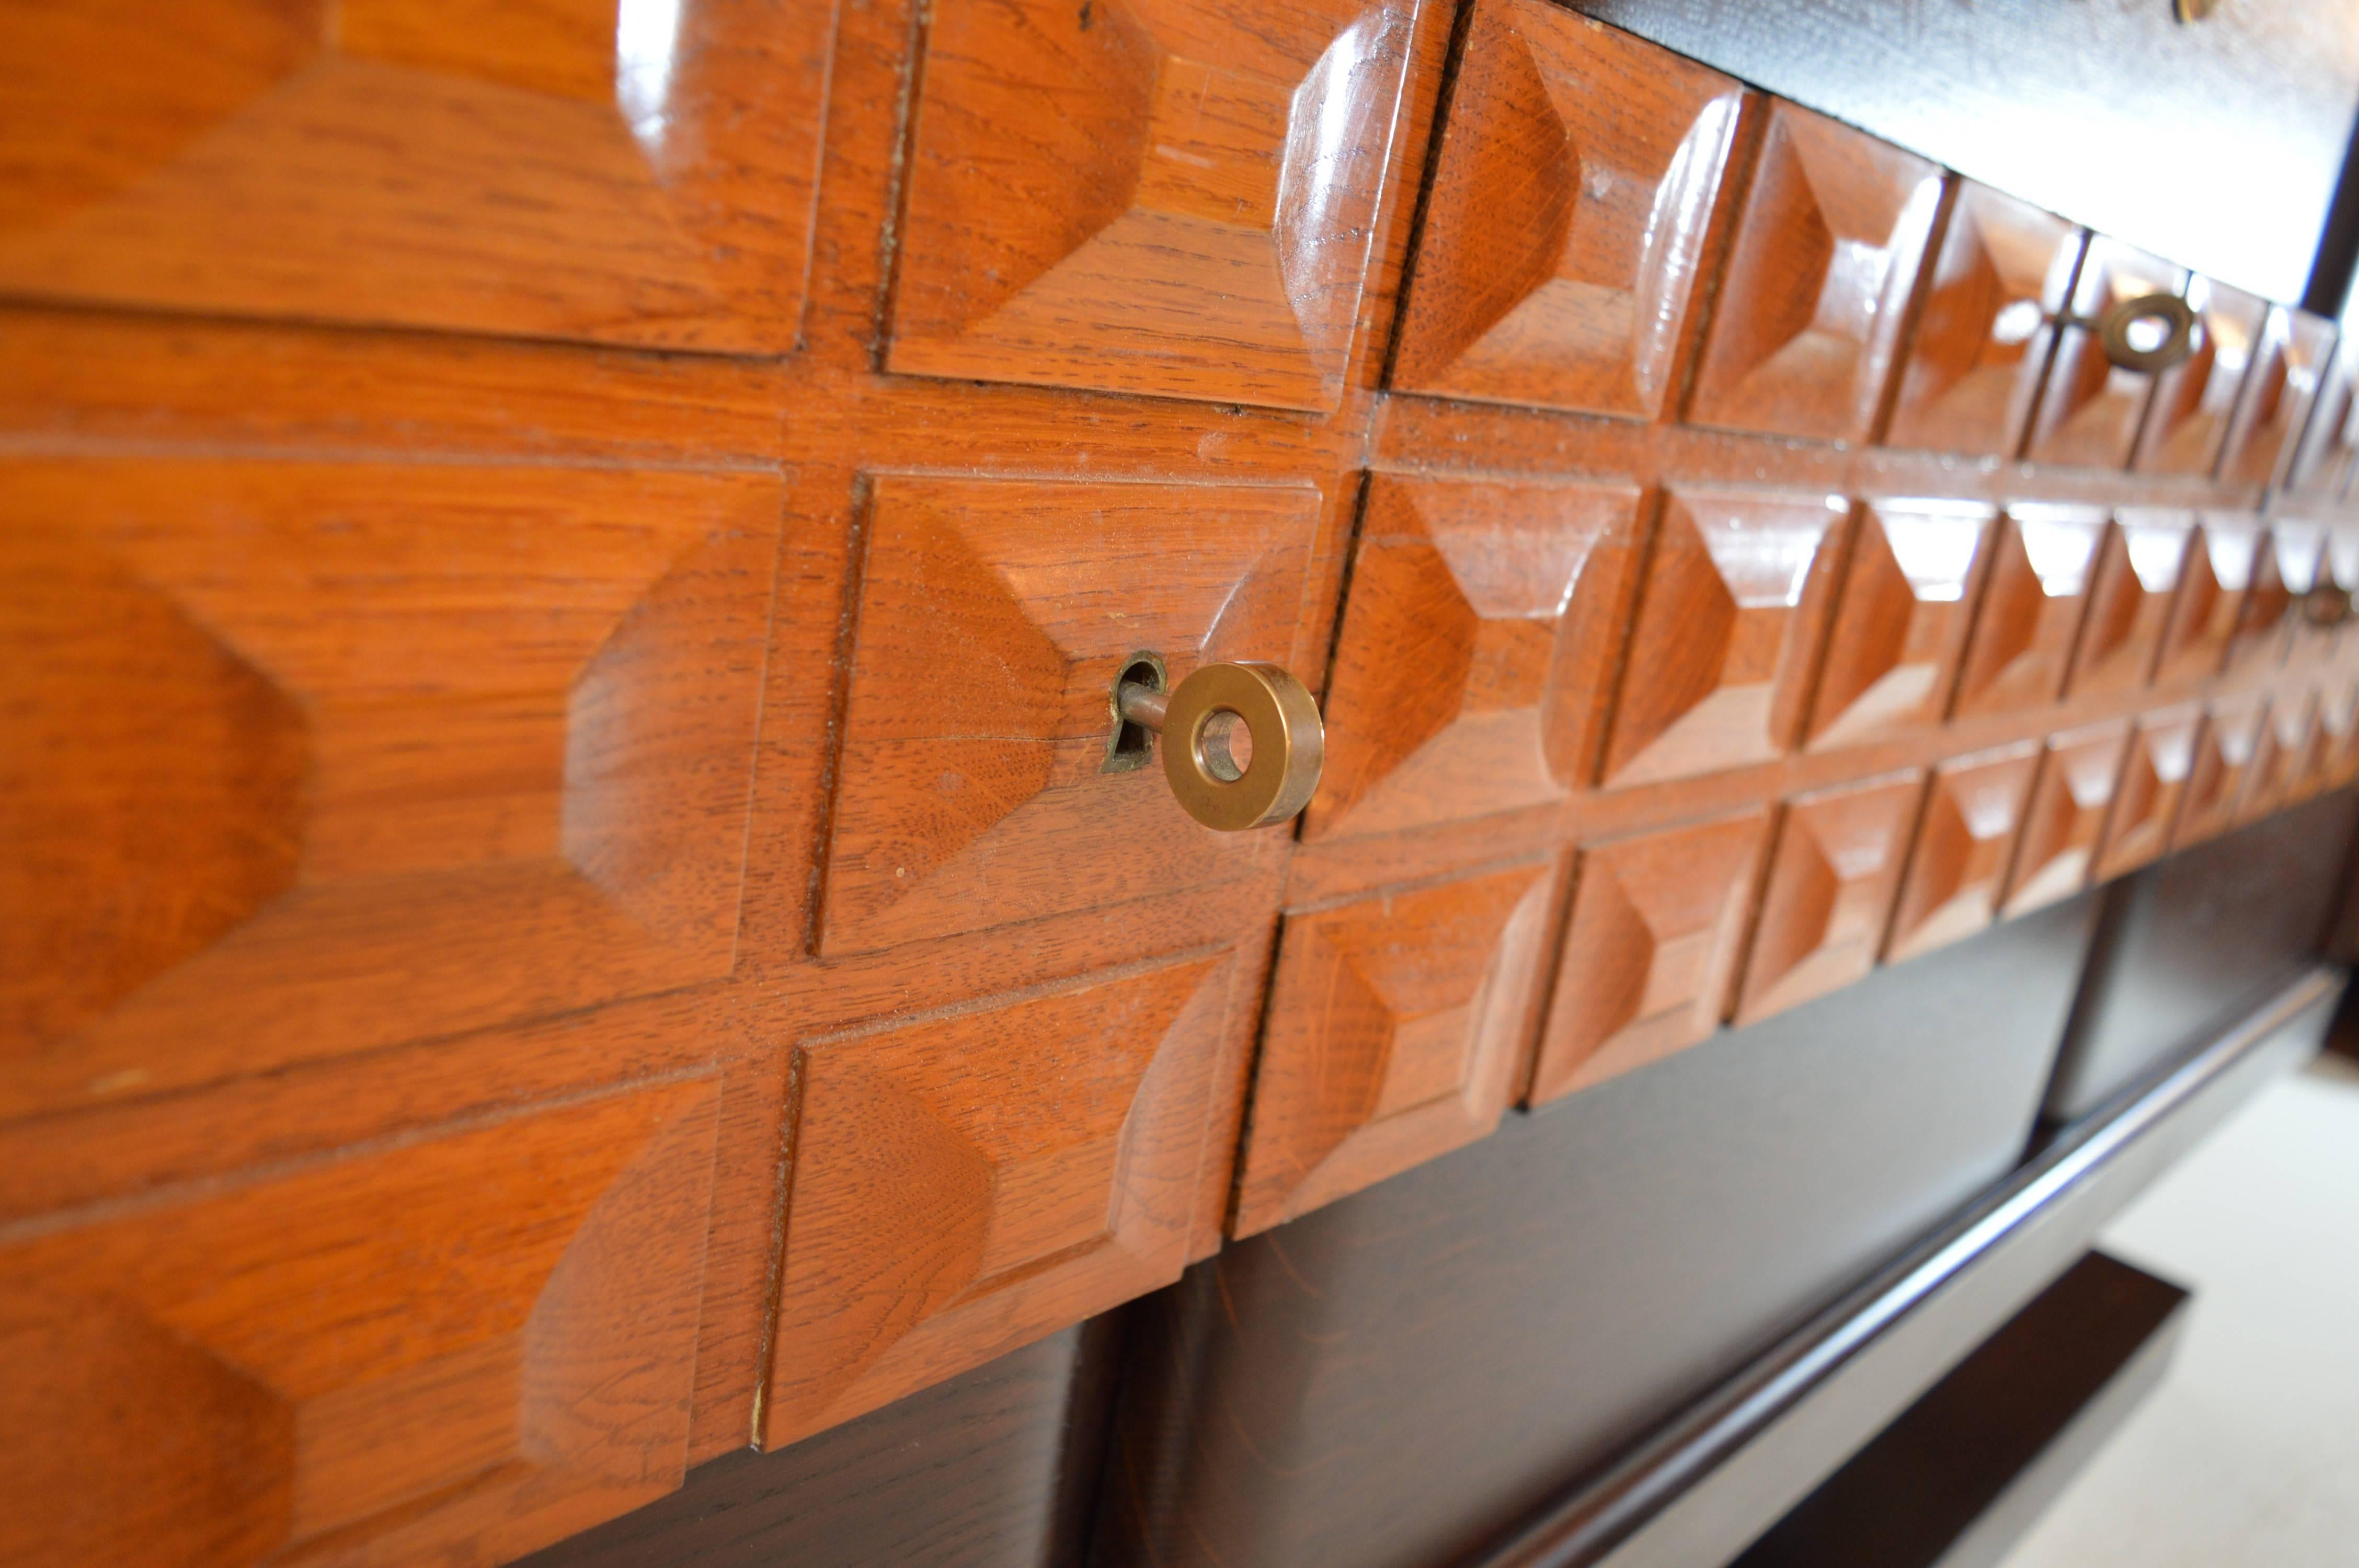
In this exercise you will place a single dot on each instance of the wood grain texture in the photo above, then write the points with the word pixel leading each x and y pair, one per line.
pixel 1576 177
pixel 1807 326
pixel 1900 628
pixel 1476 652
pixel 454 1350
pixel 2195 400
pixel 1651 950
pixel 572 169
pixel 2090 408
pixel 2154 783
pixel 1834 871
pixel 2139 567
pixel 2063 823
pixel 1973 361
pixel 2288 367
pixel 1195 221
pixel 1973 810
pixel 2041 565
pixel 1731 619
pixel 1398 1030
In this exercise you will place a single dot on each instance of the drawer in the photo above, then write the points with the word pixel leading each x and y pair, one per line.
pixel 2070 802
pixel 980 780
pixel 310 732
pixel 2154 782
pixel 2288 368
pixel 2089 409
pixel 1539 278
pixel 2139 567
pixel 1476 651
pixel 2224 754
pixel 1833 870
pixel 2217 575
pixel 1805 333
pixel 544 172
pixel 1900 626
pixel 1965 840
pixel 2195 400
pixel 453 1350
pixel 1194 221
pixel 2039 586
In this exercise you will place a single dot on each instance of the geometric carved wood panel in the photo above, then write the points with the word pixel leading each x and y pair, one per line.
pixel 1730 621
pixel 1833 874
pixel 301 734
pixel 1194 218
pixel 2154 781
pixel 2068 810
pixel 1397 1031
pixel 2287 370
pixel 1974 362
pixel 453 1351
pixel 1972 810
pixel 1577 173
pixel 2194 400
pixel 995 618
pixel 1650 954
pixel 2039 583
pixel 2090 409
pixel 2224 754
pixel 626 171
pixel 1900 626
pixel 2217 573
pixel 2138 568
pixel 966 1183
pixel 1804 335
pixel 1476 650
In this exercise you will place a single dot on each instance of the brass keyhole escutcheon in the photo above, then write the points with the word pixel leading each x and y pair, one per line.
pixel 1243 744
pixel 2149 333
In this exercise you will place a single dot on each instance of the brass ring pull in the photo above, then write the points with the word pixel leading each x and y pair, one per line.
pixel 1243 744
pixel 2326 606
pixel 2116 326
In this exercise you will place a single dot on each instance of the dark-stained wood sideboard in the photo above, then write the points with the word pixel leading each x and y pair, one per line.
pixel 578 892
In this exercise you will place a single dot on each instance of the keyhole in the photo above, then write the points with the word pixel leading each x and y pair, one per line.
pixel 1225 746
pixel 1131 745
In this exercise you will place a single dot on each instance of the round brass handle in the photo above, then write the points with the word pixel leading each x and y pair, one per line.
pixel 1243 744
pixel 2117 331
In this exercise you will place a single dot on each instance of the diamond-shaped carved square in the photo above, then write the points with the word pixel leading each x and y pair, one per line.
pixel 1972 370
pixel 996 617
pixel 2304 563
pixel 1973 808
pixel 2217 574
pixel 303 733
pixel 2337 743
pixel 2280 756
pixel 451 1351
pixel 1476 651
pixel 2216 784
pixel 621 171
pixel 2090 409
pixel 2154 782
pixel 964 1185
pixel 1730 620
pixel 2040 569
pixel 1803 337
pixel 1561 239
pixel 1651 951
pixel 1832 875
pixel 2287 369
pixel 2284 568
pixel 2328 449
pixel 2068 804
pixel 1397 1028
pixel 1901 623
pixel 2139 569
pixel 2195 400
pixel 1191 216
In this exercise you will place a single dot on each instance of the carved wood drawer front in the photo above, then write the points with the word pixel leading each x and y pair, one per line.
pixel 451 1351
pixel 1973 808
pixel 2322 460
pixel 2281 754
pixel 309 733
pixel 2139 566
pixel 2281 389
pixel 2217 574
pixel 2154 783
pixel 978 786
pixel 1832 877
pixel 1972 372
pixel 2224 754
pixel 1476 652
pixel 2335 755
pixel 1557 261
pixel 1398 1029
pixel 1730 620
pixel 2195 400
pixel 965 1183
pixel 2031 608
pixel 2069 805
pixel 1650 958
pixel 1804 335
pixel 2303 564
pixel 1194 219
pixel 1901 624
pixel 2285 566
pixel 2090 407
pixel 545 172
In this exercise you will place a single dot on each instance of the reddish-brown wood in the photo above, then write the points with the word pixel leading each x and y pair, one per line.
pixel 2138 570
pixel 1729 626
pixel 1651 951
pixel 2154 781
pixel 450 1350
pixel 2217 574
pixel 1806 329
pixel 2304 563
pixel 1476 651
pixel 2067 813
pixel 1577 173
pixel 560 170
pixel 1834 872
pixel 2031 608
pixel 2089 409
pixel 2224 765
pixel 2195 400
pixel 1974 362
pixel 1397 1030
pixel 1973 808
pixel 2280 393
pixel 1901 623
pixel 1194 220
pixel 2286 564
pixel 2282 756
pixel 2321 462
